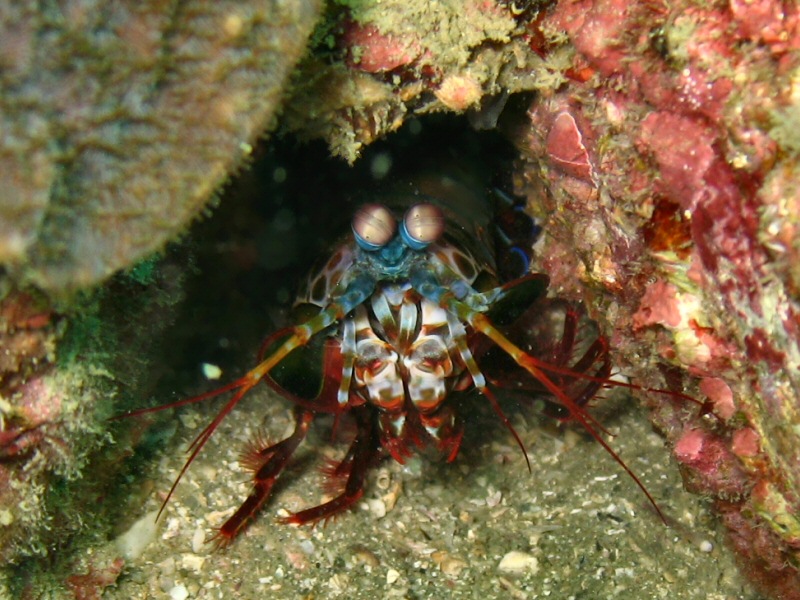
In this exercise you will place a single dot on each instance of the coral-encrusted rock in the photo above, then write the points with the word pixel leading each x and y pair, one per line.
pixel 370 50
pixel 688 233
pixel 119 121
pixel 397 59
pixel 712 468
pixel 60 380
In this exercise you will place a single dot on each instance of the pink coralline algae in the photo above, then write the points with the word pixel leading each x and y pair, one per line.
pixel 30 410
pixel 58 382
pixel 370 50
pixel 720 394
pixel 90 585
pixel 767 22
pixel 659 306
pixel 599 29
pixel 566 148
pixel 712 467
pixel 27 337
pixel 744 443
pixel 683 148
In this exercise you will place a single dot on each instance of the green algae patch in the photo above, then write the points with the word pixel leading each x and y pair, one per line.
pixel 61 480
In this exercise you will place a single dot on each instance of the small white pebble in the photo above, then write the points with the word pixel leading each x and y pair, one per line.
pixel 392 576
pixel 198 540
pixel 518 562
pixel 211 372
pixel 132 543
pixel 193 562
pixel 377 507
pixel 6 517
pixel 706 546
pixel 494 498
pixel 179 592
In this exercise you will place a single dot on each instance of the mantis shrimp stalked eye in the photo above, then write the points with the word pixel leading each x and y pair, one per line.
pixel 373 226
pixel 422 225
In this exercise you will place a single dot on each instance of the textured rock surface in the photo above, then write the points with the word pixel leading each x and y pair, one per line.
pixel 118 122
pixel 60 380
pixel 669 177
pixel 383 61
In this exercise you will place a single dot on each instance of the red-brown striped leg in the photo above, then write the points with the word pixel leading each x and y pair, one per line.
pixel 444 427
pixel 267 464
pixel 396 432
pixel 363 450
